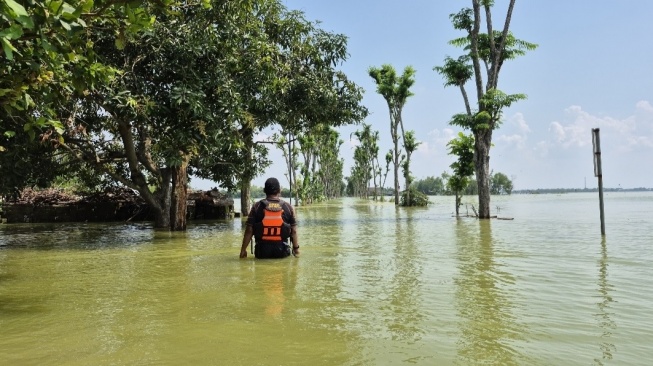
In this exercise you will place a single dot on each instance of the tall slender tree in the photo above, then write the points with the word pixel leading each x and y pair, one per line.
pixel 331 164
pixel 366 156
pixel 486 55
pixel 395 90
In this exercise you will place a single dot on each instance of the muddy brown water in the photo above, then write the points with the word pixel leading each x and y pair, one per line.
pixel 375 285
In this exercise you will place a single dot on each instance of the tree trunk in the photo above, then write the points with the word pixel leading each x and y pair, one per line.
pixel 407 176
pixel 248 174
pixel 245 197
pixel 179 202
pixel 293 174
pixel 395 154
pixel 396 176
pixel 160 201
pixel 407 192
pixel 162 217
pixel 482 164
pixel 458 199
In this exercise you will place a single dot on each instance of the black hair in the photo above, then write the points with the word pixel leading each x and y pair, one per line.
pixel 272 186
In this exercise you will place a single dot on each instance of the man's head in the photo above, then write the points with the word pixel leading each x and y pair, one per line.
pixel 272 186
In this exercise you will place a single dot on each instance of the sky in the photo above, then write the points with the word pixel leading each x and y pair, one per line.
pixel 593 68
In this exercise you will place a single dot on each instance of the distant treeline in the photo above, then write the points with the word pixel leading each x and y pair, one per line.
pixel 256 193
pixel 440 190
pixel 573 190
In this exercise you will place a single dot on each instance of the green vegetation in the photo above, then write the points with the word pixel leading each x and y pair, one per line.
pixel 463 168
pixel 491 50
pixel 366 164
pixel 441 186
pixel 413 197
pixel 140 94
pixel 396 90
pixel 500 184
pixel 143 94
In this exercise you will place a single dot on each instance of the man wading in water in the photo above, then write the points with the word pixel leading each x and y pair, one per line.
pixel 271 221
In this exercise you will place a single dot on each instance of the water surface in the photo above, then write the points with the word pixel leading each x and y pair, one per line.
pixel 375 285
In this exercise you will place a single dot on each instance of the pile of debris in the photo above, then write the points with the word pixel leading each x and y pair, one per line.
pixel 56 196
pixel 115 194
pixel 50 196
pixel 114 204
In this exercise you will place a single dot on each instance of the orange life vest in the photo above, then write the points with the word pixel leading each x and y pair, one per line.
pixel 272 228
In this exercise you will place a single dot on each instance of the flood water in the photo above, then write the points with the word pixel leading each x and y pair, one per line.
pixel 375 285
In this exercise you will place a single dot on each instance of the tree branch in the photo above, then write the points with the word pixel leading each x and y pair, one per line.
pixel 504 36
pixel 474 50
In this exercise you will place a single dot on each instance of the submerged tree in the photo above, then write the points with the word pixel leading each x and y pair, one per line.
pixel 500 184
pixel 430 185
pixel 144 127
pixel 410 145
pixel 463 168
pixel 315 93
pixel 329 172
pixel 395 91
pixel 366 158
pixel 491 50
pixel 321 169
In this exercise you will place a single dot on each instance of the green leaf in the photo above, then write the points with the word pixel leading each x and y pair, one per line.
pixel 54 6
pixel 8 49
pixel 18 9
pixel 40 122
pixel 28 100
pixel 87 6
pixel 26 21
pixel 65 24
pixel 13 32
pixel 67 9
pixel 47 45
pixel 120 41
pixel 10 133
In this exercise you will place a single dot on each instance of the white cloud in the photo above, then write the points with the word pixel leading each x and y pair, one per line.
pixel 436 142
pixel 644 106
pixel 520 122
pixel 425 148
pixel 626 134
pixel 513 140
pixel 644 115
pixel 558 131
pixel 519 138
pixel 441 138
pixel 542 149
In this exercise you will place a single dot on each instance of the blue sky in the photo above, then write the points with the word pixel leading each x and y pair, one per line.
pixel 593 69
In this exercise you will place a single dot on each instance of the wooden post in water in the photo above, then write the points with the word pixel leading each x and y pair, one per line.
pixel 596 143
